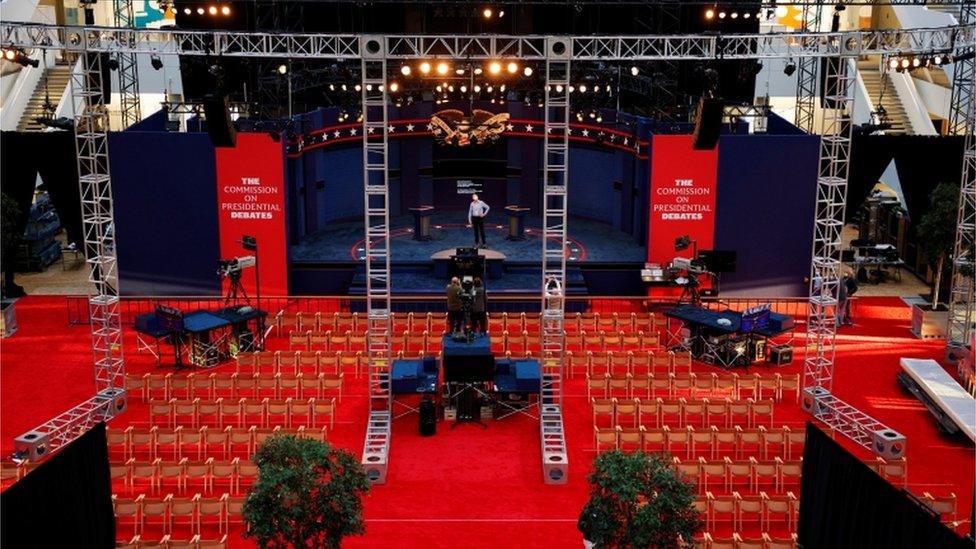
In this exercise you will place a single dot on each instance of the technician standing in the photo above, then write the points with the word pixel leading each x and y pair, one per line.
pixel 476 220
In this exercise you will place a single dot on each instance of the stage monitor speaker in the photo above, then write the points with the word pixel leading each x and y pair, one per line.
pixel 219 125
pixel 708 123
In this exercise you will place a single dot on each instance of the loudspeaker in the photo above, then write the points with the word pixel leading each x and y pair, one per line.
pixel 708 123
pixel 781 354
pixel 428 417
pixel 219 125
pixel 889 444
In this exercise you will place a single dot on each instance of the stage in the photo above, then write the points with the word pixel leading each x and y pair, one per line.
pixel 593 247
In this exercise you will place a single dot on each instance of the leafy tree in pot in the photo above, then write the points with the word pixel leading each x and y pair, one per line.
pixel 937 231
pixel 308 494
pixel 638 500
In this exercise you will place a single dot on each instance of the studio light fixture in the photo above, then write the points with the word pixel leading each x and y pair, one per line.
pixel 487 13
pixel 113 63
pixel 424 68
pixel 442 68
pixel 225 10
pixel 495 67
pixel 634 71
pixel 512 68
pixel 156 62
pixel 282 69
pixel 405 70
pixel 790 68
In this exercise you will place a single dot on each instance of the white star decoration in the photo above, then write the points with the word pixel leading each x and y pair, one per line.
pixel 509 127
pixel 353 131
pixel 409 127
pixel 391 128
pixel 430 127
pixel 626 141
pixel 370 130
pixel 586 133
pixel 336 133
pixel 528 128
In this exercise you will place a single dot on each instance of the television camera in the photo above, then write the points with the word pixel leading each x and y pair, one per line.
pixel 232 269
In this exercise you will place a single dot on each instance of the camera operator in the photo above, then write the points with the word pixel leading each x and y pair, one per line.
pixel 454 318
pixel 479 316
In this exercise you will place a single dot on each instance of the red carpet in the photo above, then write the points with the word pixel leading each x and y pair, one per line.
pixel 484 488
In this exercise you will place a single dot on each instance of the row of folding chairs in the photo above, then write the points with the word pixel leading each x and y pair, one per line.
pixel 306 362
pixel 713 441
pixel 244 412
pixel 737 541
pixel 345 342
pixel 657 412
pixel 761 509
pixel 169 542
pixel 199 443
pixel 170 514
pixel 182 476
pixel 320 322
pixel 894 471
pixel 695 384
pixel 634 361
pixel 234 385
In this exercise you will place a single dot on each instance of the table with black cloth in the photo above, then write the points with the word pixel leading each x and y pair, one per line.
pixel 723 344
pixel 466 362
pixel 247 324
pixel 207 338
pixel 413 376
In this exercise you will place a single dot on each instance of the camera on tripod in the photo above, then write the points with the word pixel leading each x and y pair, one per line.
pixel 233 267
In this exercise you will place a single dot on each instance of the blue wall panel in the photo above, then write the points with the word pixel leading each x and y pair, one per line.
pixel 591 176
pixel 165 197
pixel 765 207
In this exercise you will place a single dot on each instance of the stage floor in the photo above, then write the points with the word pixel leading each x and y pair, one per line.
pixel 590 241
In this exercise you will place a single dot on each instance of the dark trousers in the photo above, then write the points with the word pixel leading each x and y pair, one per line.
pixel 455 321
pixel 478 225
pixel 479 322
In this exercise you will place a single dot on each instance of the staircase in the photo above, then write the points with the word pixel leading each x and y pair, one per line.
pixel 874 82
pixel 56 79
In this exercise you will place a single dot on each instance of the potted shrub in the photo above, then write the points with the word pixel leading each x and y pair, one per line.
pixel 936 232
pixel 638 500
pixel 308 494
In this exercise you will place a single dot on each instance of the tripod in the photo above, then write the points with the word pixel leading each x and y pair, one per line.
pixel 235 288
pixel 468 410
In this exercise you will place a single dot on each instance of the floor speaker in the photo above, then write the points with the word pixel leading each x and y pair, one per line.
pixel 219 125
pixel 708 123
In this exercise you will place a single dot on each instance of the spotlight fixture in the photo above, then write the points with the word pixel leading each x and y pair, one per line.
pixel 442 68
pixel 187 11
pixel 405 70
pixel 527 71
pixel 282 69
pixel 331 87
pixel 225 10
pixel 512 68
pixel 559 88
pixel 634 71
pixel 357 87
pixel 200 11
pixel 937 59
pixel 721 15
pixel 113 63
pixel 156 62
pixel 746 15
pixel 782 11
pixel 464 89
pixel 840 7
pixel 905 63
pixel 916 63
pixel 212 10
pixel 459 71
pixel 790 68
pixel 478 70
pixel 495 67
pixel 425 68
pixel 394 87
pixel 487 13
pixel 893 63
pixel 709 14
pixel 477 88
pixel 582 88
pixel 501 13
pixel 18 56
pixel 734 15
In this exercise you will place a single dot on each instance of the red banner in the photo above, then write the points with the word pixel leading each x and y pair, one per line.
pixel 251 201
pixel 682 197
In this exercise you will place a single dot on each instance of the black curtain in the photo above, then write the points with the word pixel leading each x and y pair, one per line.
pixel 65 502
pixel 844 503
pixel 923 161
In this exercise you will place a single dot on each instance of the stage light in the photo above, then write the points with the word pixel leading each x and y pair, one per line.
pixel 331 87
pixel 357 87
pixel 212 10
pixel 425 68
pixel 746 15
pixel 527 71
pixel 464 89
pixel 477 70
pixel 734 15
pixel 487 13
pixel 782 11
pixel 225 10
pixel 9 55
pixel 156 62
pixel 282 69
pixel 451 88
pixel 938 59
pixel 579 116
pixel 200 11
pixel 512 68
pixel 893 63
pixel 599 119
pixel 405 70
pixel 905 63
pixel 439 88
pixel 502 87
pixel 495 67
pixel 635 70
pixel 442 68
pixel 709 14
pixel 490 89
pixel 344 88
pixel 477 88
pixel 187 11
pixel 571 88
pixel 381 87
pixel 721 15
pixel 790 68
pixel 592 114
pixel 459 72
pixel 113 63
pixel 916 63
pixel 394 87
pixel 501 13
pixel 582 88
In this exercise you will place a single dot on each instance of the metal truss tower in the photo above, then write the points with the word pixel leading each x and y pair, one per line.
pixel 376 449
pixel 555 178
pixel 806 74
pixel 963 122
pixel 128 68
pixel 825 271
pixel 91 143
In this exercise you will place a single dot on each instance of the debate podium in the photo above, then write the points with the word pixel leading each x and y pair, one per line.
pixel 516 222
pixel 421 221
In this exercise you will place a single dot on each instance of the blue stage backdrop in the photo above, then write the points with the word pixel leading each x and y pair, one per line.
pixel 764 211
pixel 165 213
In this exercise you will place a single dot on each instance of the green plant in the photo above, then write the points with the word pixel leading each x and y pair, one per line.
pixel 936 231
pixel 308 494
pixel 638 500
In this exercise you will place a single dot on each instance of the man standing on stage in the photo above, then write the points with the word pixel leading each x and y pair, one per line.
pixel 454 319
pixel 476 220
